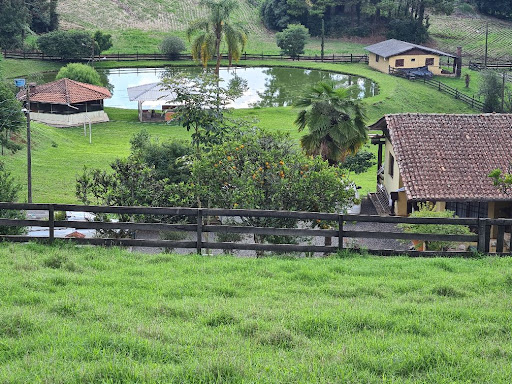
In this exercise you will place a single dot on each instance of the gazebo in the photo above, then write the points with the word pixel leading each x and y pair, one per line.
pixel 153 92
pixel 66 103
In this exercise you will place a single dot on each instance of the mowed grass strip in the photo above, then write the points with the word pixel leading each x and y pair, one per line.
pixel 91 315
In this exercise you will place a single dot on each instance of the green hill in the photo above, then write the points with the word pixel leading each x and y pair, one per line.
pixel 138 25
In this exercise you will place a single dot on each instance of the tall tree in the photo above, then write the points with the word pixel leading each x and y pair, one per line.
pixel 11 118
pixel 207 33
pixel 335 120
pixel 14 19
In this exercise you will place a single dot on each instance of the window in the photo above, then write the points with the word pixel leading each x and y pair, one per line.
pixel 377 58
pixel 391 165
pixel 429 61
pixel 399 62
pixel 413 60
pixel 468 209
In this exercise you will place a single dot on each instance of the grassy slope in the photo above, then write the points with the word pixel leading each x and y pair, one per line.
pixel 60 154
pixel 90 315
pixel 139 25
pixel 450 32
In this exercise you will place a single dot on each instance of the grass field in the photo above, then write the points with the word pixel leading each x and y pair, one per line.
pixel 137 25
pixel 450 32
pixel 95 315
pixel 59 155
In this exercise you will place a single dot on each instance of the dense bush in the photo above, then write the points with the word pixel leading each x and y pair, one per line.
pixel 491 88
pixel 9 190
pixel 292 40
pixel 80 72
pixel 408 29
pixel 67 44
pixel 427 210
pixel 11 118
pixel 103 41
pixel 172 46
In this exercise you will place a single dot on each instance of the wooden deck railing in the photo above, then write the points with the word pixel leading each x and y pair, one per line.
pixel 197 223
pixel 348 58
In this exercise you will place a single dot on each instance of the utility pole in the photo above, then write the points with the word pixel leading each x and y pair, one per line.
pixel 322 45
pixel 29 152
pixel 486 43
pixel 503 94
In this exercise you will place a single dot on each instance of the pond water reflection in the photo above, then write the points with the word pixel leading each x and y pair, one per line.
pixel 267 86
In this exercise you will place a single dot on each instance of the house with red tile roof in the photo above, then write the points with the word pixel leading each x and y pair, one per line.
pixel 446 160
pixel 66 103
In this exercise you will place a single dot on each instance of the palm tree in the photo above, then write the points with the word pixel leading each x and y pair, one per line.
pixel 336 122
pixel 208 33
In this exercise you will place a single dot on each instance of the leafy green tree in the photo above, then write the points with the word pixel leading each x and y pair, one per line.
pixel 168 159
pixel 43 15
pixel 335 120
pixel 172 46
pixel 202 106
pixel 66 44
pixel 263 170
pixel 9 190
pixel 292 40
pixel 80 72
pixel 491 88
pixel 208 33
pixel 408 29
pixel 14 19
pixel 11 118
pixel 103 41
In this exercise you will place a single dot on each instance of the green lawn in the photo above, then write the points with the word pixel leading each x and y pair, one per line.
pixel 96 315
pixel 59 155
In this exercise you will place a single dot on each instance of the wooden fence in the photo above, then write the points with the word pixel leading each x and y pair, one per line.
pixel 197 221
pixel 349 58
pixel 478 66
pixel 441 87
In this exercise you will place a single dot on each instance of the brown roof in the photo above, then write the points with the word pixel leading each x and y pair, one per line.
pixel 66 91
pixel 449 157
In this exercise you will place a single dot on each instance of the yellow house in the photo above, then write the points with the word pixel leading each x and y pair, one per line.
pixel 446 160
pixel 392 54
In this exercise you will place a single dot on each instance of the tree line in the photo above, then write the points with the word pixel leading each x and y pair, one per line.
pixel 496 8
pixel 18 18
pixel 406 19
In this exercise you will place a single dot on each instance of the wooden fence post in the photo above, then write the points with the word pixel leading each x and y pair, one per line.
pixel 500 239
pixel 481 235
pixel 137 55
pixel 51 223
pixel 199 231
pixel 340 232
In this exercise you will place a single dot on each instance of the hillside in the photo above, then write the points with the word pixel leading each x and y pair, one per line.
pixel 138 25
pixel 145 22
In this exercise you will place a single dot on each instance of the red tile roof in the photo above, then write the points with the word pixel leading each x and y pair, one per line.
pixel 449 157
pixel 66 91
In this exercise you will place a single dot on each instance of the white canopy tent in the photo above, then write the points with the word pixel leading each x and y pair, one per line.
pixel 151 92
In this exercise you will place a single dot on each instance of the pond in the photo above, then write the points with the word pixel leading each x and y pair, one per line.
pixel 267 86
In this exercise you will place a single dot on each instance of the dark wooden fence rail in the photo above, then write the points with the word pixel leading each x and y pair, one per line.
pixel 441 87
pixel 348 58
pixel 478 66
pixel 198 223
